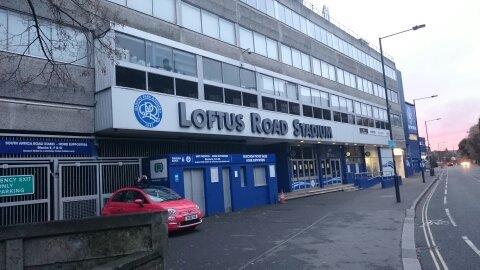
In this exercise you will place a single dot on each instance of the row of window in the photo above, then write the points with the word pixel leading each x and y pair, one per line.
pixel 150 54
pixel 138 79
pixel 293 57
pixel 64 44
pixel 258 43
pixel 302 24
pixel 163 9
pixel 228 74
pixel 201 21
pixel 278 87
pixel 229 96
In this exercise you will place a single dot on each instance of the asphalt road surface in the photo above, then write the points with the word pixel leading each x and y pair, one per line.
pixel 343 230
pixel 447 231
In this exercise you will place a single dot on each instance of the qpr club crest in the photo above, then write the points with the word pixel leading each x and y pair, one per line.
pixel 148 111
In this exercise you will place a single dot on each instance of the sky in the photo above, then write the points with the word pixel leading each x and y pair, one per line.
pixel 443 58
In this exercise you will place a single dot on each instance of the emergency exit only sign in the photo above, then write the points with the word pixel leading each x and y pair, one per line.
pixel 13 185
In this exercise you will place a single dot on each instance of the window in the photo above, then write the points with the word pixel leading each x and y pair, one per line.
pixel 159 56
pixel 305 95
pixel 260 44
pixel 191 17
pixel 316 67
pixel 282 106
pixel 296 59
pixel 185 63
pixel 327 115
pixel 231 74
pixel 246 39
pixel 316 97
pixel 259 177
pixel 164 9
pixel 359 84
pixel 130 49
pixel 270 8
pixel 342 103
pixel 212 70
pixel 247 79
pixel 324 98
pixel 128 77
pixel 349 105
pixel 351 119
pixel 272 51
pixel 340 78
pixel 306 62
pixel 358 109
pixel 324 67
pixel 334 103
pixel 267 85
pixel 337 117
pixel 294 108
pixel 242 174
pixel 120 196
pixel 227 31
pixel 268 103
pixel 307 111
pixel 144 6
pixel 331 72
pixel 186 88
pixel 364 109
pixel 70 45
pixel 292 91
pixel 213 93
pixel 210 25
pixel 250 100
pixel 3 30
pixel 286 54
pixel 233 97
pixel 280 87
pixel 317 113
pixel 160 83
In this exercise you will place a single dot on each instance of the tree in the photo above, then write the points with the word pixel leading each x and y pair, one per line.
pixel 469 147
pixel 62 32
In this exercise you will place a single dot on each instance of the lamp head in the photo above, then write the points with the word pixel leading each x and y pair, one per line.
pixel 416 27
pixel 434 96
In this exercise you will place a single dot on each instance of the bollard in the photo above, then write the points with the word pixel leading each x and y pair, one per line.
pixel 397 188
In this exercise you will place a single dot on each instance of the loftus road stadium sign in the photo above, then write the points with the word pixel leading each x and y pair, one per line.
pixel 213 119
pixel 14 185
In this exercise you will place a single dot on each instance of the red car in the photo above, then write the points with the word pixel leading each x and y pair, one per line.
pixel 182 213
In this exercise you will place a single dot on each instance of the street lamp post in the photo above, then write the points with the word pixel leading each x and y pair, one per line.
pixel 418 135
pixel 416 27
pixel 428 141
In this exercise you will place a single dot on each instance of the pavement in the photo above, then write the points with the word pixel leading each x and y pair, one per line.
pixel 451 217
pixel 341 230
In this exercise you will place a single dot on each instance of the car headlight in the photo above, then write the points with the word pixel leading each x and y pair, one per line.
pixel 171 212
pixel 196 206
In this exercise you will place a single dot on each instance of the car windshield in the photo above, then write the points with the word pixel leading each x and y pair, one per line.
pixel 161 194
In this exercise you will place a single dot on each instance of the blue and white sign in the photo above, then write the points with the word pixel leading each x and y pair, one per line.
pixel 55 146
pixel 148 111
pixel 220 159
pixel 411 118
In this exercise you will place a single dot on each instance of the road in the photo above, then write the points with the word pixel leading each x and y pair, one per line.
pixel 447 220
pixel 343 230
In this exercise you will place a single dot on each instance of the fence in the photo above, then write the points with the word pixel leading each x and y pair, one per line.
pixel 65 189
pixel 27 208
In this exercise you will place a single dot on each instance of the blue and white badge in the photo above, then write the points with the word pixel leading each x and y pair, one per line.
pixel 148 111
